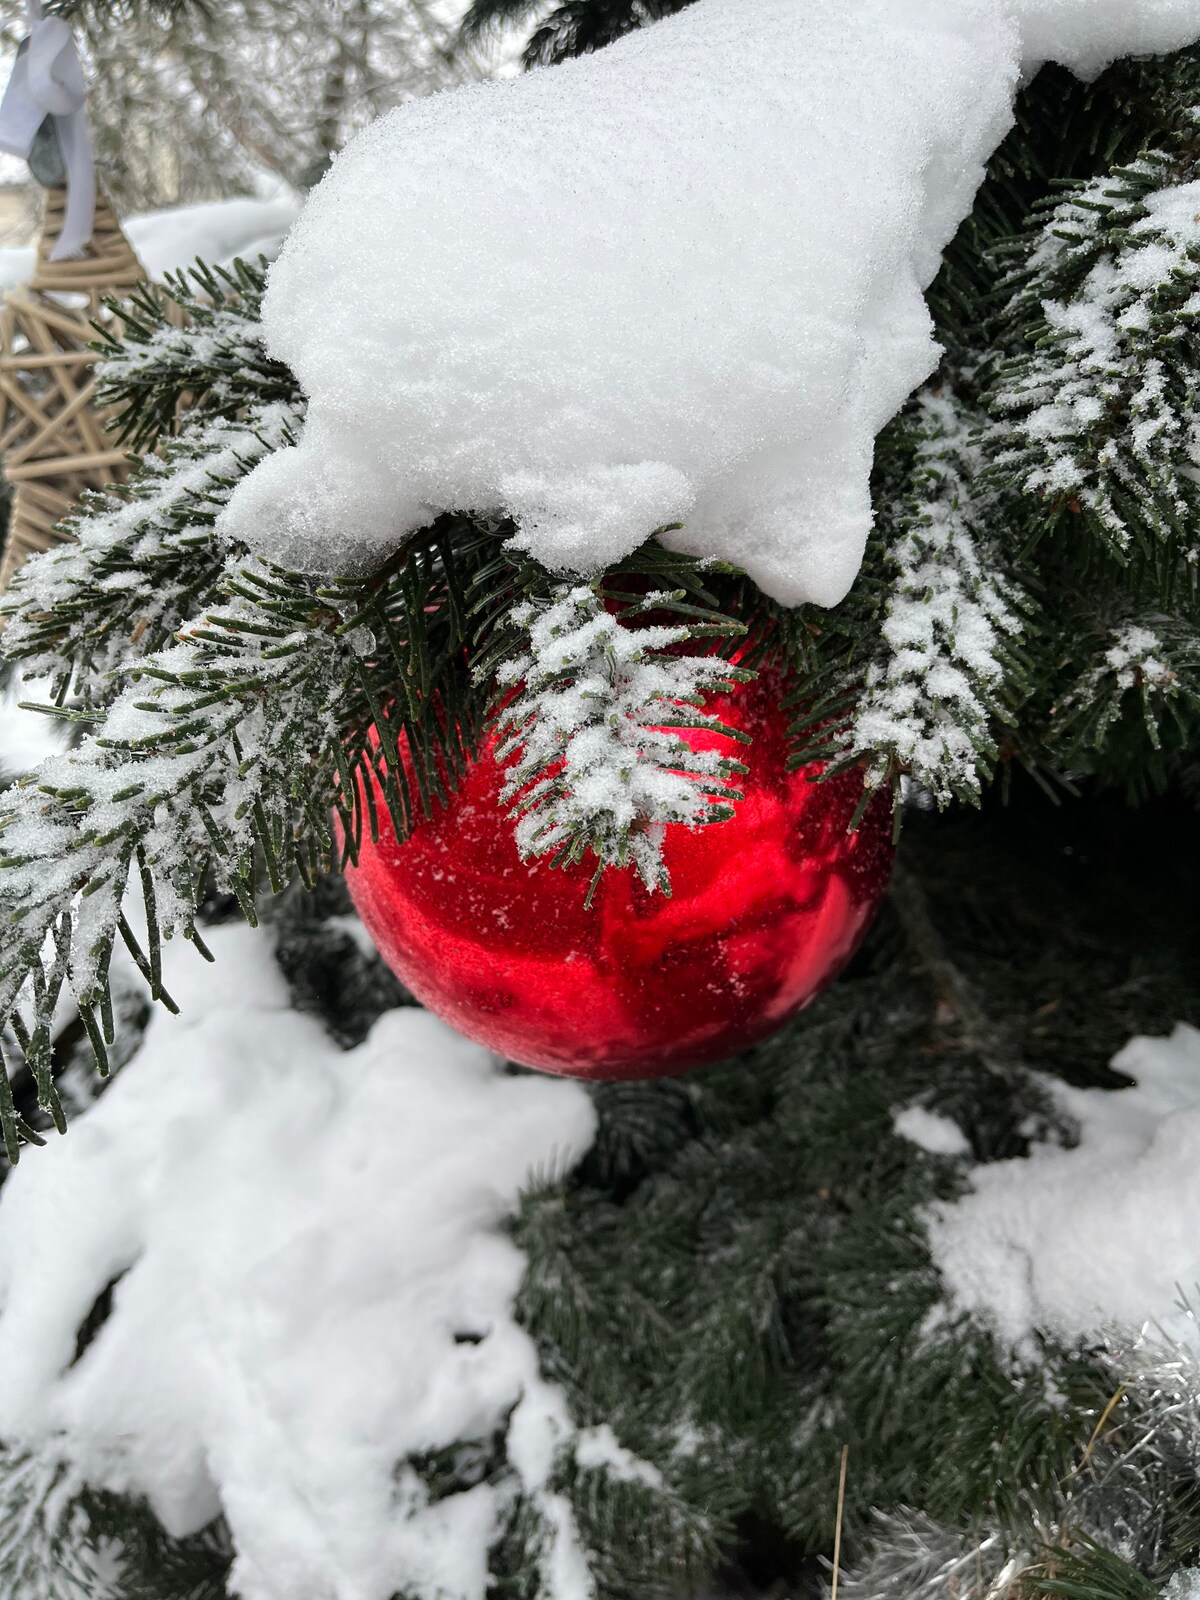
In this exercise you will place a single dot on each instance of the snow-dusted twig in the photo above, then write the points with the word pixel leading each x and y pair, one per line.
pixel 928 703
pixel 1151 660
pixel 1099 414
pixel 597 732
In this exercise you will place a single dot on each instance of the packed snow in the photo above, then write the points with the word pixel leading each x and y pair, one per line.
pixel 931 1131
pixel 1074 1241
pixel 313 1284
pixel 678 281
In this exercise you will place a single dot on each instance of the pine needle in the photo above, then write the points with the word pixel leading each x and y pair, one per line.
pixel 837 1532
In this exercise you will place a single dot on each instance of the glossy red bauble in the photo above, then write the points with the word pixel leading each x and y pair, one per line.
pixel 765 910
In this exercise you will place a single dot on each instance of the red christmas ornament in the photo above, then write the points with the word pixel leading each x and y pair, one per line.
pixel 765 910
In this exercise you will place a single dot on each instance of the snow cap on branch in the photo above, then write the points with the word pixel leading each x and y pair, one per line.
pixel 676 281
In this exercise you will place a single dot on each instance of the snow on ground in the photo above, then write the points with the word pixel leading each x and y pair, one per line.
pixel 675 281
pixel 217 231
pixel 1075 1241
pixel 300 1234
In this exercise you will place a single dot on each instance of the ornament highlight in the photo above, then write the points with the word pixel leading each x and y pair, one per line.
pixel 765 911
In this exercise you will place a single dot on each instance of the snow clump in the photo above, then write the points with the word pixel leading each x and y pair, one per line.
pixel 1075 1242
pixel 677 281
pixel 312 1285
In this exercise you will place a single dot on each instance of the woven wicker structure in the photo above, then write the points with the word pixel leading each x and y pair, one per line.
pixel 52 436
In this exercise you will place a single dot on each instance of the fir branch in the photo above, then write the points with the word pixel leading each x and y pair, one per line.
pixel 940 621
pixel 48 1548
pixel 564 28
pixel 61 1541
pixel 602 701
pixel 227 750
pixel 143 559
pixel 192 341
pixel 1125 1515
pixel 1149 665
pixel 1097 405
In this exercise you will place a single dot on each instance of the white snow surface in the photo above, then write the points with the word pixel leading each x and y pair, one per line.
pixel 302 1232
pixel 931 1131
pixel 168 240
pixel 679 280
pixel 26 737
pixel 1105 1235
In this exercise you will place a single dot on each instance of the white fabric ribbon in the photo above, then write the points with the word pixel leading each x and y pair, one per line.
pixel 47 79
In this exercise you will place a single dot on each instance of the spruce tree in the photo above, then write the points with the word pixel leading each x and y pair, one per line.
pixel 741 1259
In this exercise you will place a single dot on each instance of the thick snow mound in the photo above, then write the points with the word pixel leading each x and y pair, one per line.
pixel 1072 1242
pixel 676 281
pixel 299 1236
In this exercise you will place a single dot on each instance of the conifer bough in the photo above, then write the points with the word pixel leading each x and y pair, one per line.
pixel 1028 593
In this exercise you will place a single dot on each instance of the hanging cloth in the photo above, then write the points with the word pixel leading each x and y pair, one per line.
pixel 47 80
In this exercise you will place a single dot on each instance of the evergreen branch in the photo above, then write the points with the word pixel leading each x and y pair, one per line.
pixel 1124 1519
pixel 943 675
pixel 1150 665
pixel 48 1549
pixel 142 561
pixel 601 700
pixel 1097 403
pixel 564 28
pixel 192 341
pixel 225 751
pixel 286 699
pixel 59 1541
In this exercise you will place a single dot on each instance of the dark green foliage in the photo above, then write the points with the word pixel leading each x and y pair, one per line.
pixel 1091 1573
pixel 1069 473
pixel 150 560
pixel 565 27
pixel 298 709
pixel 736 1279
pixel 997 623
pixel 58 1545
pixel 319 948
pixel 155 1566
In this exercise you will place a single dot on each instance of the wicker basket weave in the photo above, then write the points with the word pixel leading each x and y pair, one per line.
pixel 52 437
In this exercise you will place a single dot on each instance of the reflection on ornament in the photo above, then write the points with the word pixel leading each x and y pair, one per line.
pixel 765 911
